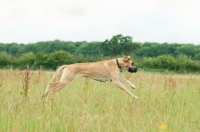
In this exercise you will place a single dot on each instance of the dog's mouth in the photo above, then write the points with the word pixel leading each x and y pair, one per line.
pixel 132 69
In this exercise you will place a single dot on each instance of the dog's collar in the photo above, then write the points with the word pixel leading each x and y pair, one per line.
pixel 118 65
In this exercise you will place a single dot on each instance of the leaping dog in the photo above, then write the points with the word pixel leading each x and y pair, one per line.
pixel 100 71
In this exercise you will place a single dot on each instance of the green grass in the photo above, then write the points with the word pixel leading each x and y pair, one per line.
pixel 89 106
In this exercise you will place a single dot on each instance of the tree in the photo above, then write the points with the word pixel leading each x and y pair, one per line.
pixel 166 62
pixel 88 49
pixel 2 47
pixel 27 58
pixel 197 56
pixel 118 45
pixel 186 49
pixel 5 59
pixel 58 58
pixel 40 60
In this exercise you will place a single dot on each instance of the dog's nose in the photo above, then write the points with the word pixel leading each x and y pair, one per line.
pixel 136 69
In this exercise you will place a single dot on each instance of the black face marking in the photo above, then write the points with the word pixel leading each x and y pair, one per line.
pixel 132 69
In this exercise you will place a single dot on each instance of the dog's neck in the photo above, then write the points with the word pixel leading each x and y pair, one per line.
pixel 118 65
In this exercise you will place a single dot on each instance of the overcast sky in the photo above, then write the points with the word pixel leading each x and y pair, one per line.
pixel 29 21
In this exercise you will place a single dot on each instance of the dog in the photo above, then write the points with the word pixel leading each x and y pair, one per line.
pixel 100 71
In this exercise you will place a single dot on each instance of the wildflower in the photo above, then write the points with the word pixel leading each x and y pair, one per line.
pixel 162 127
pixel 8 84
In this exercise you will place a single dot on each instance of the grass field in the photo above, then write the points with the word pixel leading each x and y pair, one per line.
pixel 168 103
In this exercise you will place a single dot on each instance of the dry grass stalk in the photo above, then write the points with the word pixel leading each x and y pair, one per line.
pixel 1 83
pixel 37 79
pixel 171 83
pixel 26 81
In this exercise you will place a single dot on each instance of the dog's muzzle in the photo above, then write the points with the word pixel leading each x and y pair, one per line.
pixel 132 69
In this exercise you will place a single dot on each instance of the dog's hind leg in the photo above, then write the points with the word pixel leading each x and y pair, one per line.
pixel 49 85
pixel 53 82
pixel 65 80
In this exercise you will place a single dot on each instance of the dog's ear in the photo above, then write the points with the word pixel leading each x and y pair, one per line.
pixel 126 58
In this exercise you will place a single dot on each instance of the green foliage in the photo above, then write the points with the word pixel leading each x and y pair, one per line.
pixel 2 47
pixel 181 63
pixel 197 56
pixel 40 60
pixel 156 49
pixel 6 60
pixel 186 49
pixel 58 58
pixel 88 48
pixel 27 58
pixel 119 45
pixel 165 62
pixel 51 54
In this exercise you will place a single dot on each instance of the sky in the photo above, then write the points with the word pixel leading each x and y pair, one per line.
pixel 30 21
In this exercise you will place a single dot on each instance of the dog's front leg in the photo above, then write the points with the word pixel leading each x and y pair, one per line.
pixel 127 81
pixel 116 80
pixel 120 85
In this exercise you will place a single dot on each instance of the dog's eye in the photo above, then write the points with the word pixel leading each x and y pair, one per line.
pixel 132 64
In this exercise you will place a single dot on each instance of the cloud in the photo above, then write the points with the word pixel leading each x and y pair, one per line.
pixel 27 21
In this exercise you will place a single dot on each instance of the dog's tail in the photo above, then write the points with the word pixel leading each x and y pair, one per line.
pixel 54 78
pixel 58 72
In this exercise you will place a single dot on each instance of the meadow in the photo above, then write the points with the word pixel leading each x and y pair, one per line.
pixel 167 102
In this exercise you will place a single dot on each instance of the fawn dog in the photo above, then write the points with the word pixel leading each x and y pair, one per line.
pixel 101 71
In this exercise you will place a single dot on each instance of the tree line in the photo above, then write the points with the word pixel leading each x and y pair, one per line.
pixel 51 54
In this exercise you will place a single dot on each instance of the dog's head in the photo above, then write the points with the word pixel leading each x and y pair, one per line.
pixel 129 65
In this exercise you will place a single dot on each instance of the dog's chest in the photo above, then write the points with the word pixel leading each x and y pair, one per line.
pixel 101 79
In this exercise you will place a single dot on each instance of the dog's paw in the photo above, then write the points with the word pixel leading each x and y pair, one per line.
pixel 133 86
pixel 136 97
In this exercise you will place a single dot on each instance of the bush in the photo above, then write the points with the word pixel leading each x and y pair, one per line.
pixel 180 64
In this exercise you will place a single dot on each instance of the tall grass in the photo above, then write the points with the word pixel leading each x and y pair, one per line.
pixel 167 103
